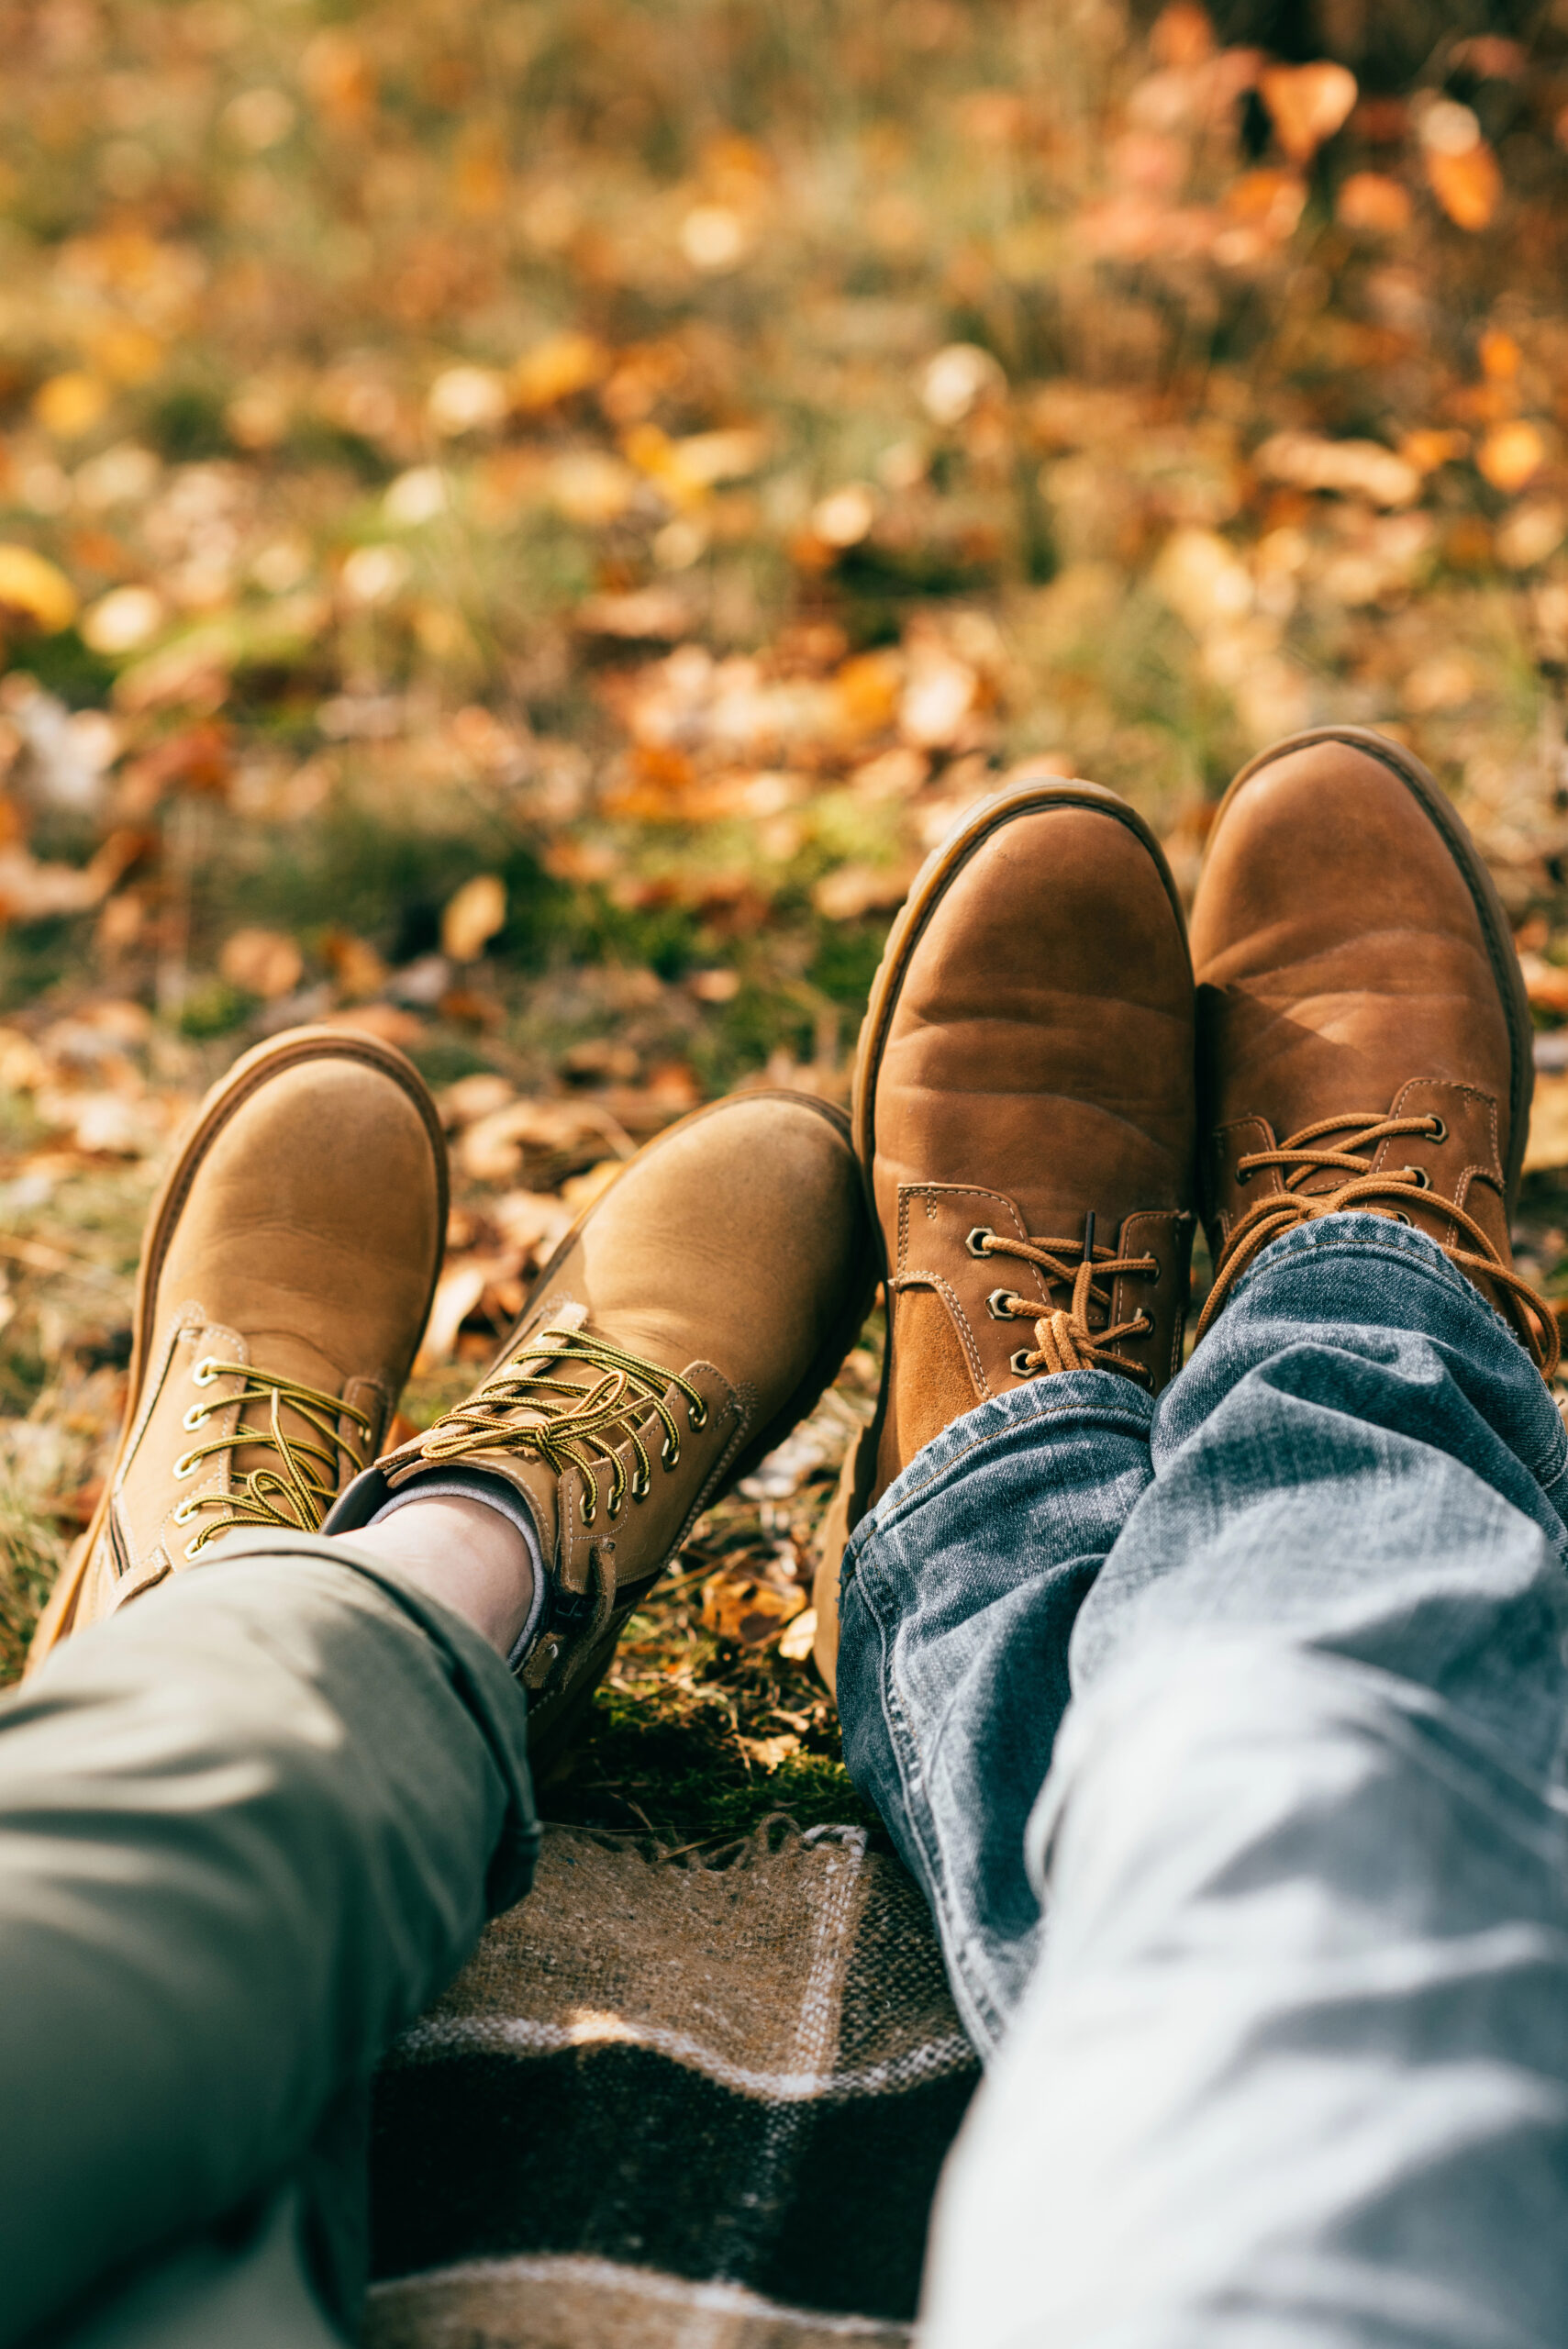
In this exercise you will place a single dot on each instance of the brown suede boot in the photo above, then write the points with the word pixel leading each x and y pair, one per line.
pixel 286 1276
pixel 1024 1118
pixel 692 1316
pixel 1363 1037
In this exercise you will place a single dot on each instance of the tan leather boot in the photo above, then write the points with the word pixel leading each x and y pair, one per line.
pixel 1024 1116
pixel 1364 1040
pixel 690 1318
pixel 286 1276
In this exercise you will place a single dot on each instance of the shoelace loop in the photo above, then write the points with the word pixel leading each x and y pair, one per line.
pixel 1064 1339
pixel 580 1425
pixel 1384 1192
pixel 296 1495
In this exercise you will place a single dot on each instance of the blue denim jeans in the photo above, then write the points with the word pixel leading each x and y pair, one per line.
pixel 1226 1735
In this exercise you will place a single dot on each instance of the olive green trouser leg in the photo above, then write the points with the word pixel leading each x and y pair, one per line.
pixel 249 1828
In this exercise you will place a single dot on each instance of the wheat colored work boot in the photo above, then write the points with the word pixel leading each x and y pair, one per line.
pixel 1363 1036
pixel 286 1276
pixel 1024 1118
pixel 692 1316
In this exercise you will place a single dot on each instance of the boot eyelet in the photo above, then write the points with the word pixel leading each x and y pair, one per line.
pixel 975 1243
pixel 1421 1179
pixel 999 1305
pixel 1400 1217
pixel 639 1487
pixel 184 1514
pixel 1155 1272
pixel 1145 1324
pixel 1440 1130
pixel 185 1466
pixel 1243 1176
pixel 196 1417
pixel 668 1455
pixel 204 1372
pixel 612 1508
pixel 696 1413
pixel 192 1548
pixel 1018 1364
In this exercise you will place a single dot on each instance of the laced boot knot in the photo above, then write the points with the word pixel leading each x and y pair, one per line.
pixel 1382 1192
pixel 529 1405
pixel 1066 1337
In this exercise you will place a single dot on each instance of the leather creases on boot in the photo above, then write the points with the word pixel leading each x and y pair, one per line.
pixel 1024 1120
pixel 1364 1041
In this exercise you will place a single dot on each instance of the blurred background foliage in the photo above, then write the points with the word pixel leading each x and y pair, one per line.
pixel 521 524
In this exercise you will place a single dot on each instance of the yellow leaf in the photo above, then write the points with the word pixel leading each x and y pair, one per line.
pixel 33 589
pixel 68 406
pixel 1511 455
pixel 1467 186
pixel 1307 104
pixel 472 917
pixel 1548 1143
pixel 555 370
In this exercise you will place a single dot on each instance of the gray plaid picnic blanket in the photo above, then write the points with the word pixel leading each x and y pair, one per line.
pixel 673 2103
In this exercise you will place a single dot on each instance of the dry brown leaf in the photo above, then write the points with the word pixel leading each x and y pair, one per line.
pixel 472 915
pixel 1468 186
pixel 739 1608
pixel 458 1291
pixel 799 1637
pixel 1307 104
pixel 262 962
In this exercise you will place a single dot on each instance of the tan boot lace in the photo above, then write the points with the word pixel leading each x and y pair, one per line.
pixel 1382 1193
pixel 1063 1338
pixel 298 1494
pixel 580 1424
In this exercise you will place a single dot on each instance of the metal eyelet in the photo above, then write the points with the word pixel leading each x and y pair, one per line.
pixel 1400 1217
pixel 1018 1364
pixel 204 1372
pixel 668 1455
pixel 1440 1130
pixel 1145 1323
pixel 185 1466
pixel 184 1514
pixel 1421 1179
pixel 612 1508
pixel 196 1417
pixel 1243 1176
pixel 1156 1274
pixel 999 1305
pixel 192 1548
pixel 975 1243
pixel 696 1416
pixel 639 1487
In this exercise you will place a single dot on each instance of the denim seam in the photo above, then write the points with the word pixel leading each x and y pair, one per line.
pixel 1087 1416
pixel 917 1810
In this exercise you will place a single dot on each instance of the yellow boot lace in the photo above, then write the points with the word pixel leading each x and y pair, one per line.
pixel 295 1495
pixel 1382 1193
pixel 1064 1337
pixel 579 1424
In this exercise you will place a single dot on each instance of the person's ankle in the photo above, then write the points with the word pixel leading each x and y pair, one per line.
pixel 464 1553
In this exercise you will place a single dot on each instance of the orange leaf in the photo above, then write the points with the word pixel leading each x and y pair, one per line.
pixel 1307 104
pixel 1511 455
pixel 1467 186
